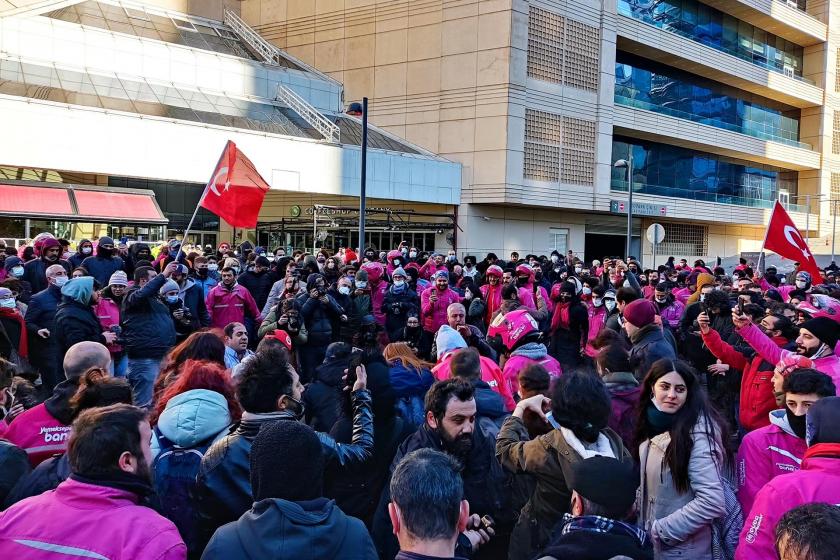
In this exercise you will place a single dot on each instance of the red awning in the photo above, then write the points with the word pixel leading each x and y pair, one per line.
pixel 25 201
pixel 80 203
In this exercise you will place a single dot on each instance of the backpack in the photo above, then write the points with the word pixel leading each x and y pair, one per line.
pixel 726 528
pixel 175 469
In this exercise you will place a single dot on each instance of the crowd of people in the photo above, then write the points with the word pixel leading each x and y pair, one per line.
pixel 169 402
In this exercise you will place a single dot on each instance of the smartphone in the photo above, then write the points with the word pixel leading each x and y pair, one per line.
pixel 552 421
pixel 487 522
pixel 740 306
pixel 355 361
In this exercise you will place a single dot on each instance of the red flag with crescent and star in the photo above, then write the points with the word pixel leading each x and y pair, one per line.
pixel 236 191
pixel 785 240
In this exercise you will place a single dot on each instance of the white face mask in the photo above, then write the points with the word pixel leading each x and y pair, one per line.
pixel 597 302
pixel 87 250
pixel 661 300
pixel 609 304
pixel 61 280
pixel 396 262
pixel 399 283
pixel 702 297
pixel 554 258
pixel 361 285
pixel 586 291
pixel 213 267
pixel 412 254
pixel 801 284
pixel 467 295
pixel 344 290
pixel 578 269
pixel 17 271
pixel 8 303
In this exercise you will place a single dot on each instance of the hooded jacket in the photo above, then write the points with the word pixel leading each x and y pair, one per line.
pixel 817 481
pixel 87 520
pixel 192 294
pixel 766 453
pixel 318 315
pixel 525 355
pixel 275 528
pixel 258 284
pixel 378 285
pixel 192 418
pixel 324 395
pixel 76 258
pixel 102 267
pixel 396 305
pixel 148 330
pixel 75 319
pixel 433 314
pixel 108 313
pixel 703 279
pixel 35 273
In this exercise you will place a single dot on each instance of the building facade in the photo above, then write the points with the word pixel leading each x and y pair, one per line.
pixel 111 106
pixel 724 106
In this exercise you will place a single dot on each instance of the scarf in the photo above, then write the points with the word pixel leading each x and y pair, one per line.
pixel 14 315
pixel 598 524
pixel 493 297
pixel 560 319
pixel 658 422
pixel 531 350
pixel 267 416
pixel 120 480
pixel 586 450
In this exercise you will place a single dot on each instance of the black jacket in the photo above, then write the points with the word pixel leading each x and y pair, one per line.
pixel 317 317
pixel 223 485
pixel 46 476
pixel 14 466
pixel 193 296
pixel 323 396
pixel 601 544
pixel 101 268
pixel 396 307
pixel 649 345
pixel 75 322
pixel 35 272
pixel 274 528
pixel 258 284
pixel 148 330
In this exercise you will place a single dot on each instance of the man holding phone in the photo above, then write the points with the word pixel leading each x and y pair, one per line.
pixel 434 301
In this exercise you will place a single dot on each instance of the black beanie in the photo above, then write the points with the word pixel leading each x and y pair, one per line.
pixel 607 482
pixel 822 424
pixel 287 462
pixel 827 330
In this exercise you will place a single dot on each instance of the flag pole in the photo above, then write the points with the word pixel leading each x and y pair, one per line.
pixel 200 200
pixel 761 258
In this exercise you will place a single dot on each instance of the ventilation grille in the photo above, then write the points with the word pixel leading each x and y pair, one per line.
pixel 835 134
pixel 562 50
pixel 835 186
pixel 685 239
pixel 559 148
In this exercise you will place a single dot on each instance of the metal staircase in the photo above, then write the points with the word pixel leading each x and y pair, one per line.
pixel 328 129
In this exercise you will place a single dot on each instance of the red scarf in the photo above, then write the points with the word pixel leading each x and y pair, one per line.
pixel 560 319
pixel 23 346
pixel 823 450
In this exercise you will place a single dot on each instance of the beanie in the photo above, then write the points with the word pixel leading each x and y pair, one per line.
pixel 822 424
pixel 169 286
pixel 640 313
pixel 440 274
pixel 262 261
pixel 286 462
pixel 825 329
pixel 448 339
pixel 230 262
pixel 105 240
pixel 607 482
pixel 49 243
pixel 399 271
pixel 119 278
pixel 79 289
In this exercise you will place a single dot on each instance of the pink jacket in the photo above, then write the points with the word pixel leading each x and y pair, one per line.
pixel 597 318
pixel 430 268
pixel 493 300
pixel 39 433
pixel 673 313
pixel 515 364
pixel 783 289
pixel 230 306
pixel 433 315
pixel 818 481
pixel 682 295
pixel 766 453
pixel 108 313
pixel 377 296
pixel 770 351
pixel 86 520
pixel 490 374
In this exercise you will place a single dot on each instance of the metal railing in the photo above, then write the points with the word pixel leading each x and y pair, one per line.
pixel 328 129
pixel 702 196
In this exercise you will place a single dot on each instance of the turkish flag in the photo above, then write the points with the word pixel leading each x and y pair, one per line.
pixel 236 191
pixel 785 240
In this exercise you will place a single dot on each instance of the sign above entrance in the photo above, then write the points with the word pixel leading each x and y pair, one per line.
pixel 639 208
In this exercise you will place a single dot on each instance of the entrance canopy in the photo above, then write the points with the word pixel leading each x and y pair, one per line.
pixel 79 203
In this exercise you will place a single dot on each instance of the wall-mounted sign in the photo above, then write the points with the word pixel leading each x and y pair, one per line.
pixel 639 208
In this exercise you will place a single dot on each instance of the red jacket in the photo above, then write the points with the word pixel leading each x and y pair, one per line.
pixel 491 374
pixel 757 398
pixel 230 305
pixel 39 433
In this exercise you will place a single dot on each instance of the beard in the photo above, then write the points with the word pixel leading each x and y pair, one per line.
pixel 144 471
pixel 458 446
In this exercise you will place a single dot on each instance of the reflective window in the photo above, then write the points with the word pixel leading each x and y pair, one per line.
pixel 664 170
pixel 655 87
pixel 713 28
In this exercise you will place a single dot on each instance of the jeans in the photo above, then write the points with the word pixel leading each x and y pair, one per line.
pixel 142 373
pixel 119 365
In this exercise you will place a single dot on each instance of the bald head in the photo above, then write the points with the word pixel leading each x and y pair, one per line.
pixel 83 356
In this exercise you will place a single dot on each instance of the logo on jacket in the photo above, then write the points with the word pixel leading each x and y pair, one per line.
pixel 753 532
pixel 55 434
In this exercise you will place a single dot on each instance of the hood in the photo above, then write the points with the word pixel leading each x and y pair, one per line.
pixel 703 279
pixel 245 246
pixel 83 242
pixel 187 285
pixel 193 417
pixel 488 402
pixel 319 526
pixel 374 271
pixel 79 289
pixel 779 419
pixel 331 372
pixel 136 248
pixel 58 404
pixel 312 279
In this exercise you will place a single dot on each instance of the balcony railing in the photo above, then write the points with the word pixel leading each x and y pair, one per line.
pixel 717 123
pixel 702 196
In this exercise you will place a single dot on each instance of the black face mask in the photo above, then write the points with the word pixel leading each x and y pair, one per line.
pixel 521 281
pixel 103 252
pixel 797 423
pixel 202 272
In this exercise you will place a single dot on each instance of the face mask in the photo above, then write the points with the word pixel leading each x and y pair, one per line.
pixel 797 423
pixel 597 302
pixel 661 299
pixel 236 271
pixel 61 280
pixel 450 258
pixel 396 262
pixel 17 271
pixel 361 285
pixel 298 409
pixel 213 267
pixel 322 261
pixel 565 297
pixel 399 283
pixel 609 304
pixel 7 303
pixel 106 252
pixel 87 250
pixel 467 295
pixel 172 299
pixel 412 254
pixel 521 281
pixel 65 255
pixel 554 258
pixel 702 297
pixel 586 291
pixel 344 290
pixel 578 269
pixel 801 284
pixel 202 272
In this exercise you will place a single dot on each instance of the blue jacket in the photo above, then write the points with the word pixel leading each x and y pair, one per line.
pixel 148 330
pixel 193 297
pixel 35 272
pixel 102 268
pixel 192 418
pixel 41 311
pixel 206 284
pixel 406 382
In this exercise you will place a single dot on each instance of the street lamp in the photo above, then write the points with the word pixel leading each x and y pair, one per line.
pixel 628 164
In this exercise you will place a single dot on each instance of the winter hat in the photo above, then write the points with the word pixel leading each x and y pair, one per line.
pixel 105 241
pixel 448 339
pixel 12 262
pixel 230 262
pixel 337 351
pixel 494 270
pixel 79 289
pixel 825 329
pixel 607 482
pixel 262 261
pixel 169 286
pixel 49 243
pixel 119 278
pixel 823 421
pixel 5 293
pixel 640 313
pixel 440 274
pixel 399 271
pixel 361 276
pixel 374 270
pixel 286 462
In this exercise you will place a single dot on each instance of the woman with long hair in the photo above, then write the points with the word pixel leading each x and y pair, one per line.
pixel 203 345
pixel 410 377
pixel 683 460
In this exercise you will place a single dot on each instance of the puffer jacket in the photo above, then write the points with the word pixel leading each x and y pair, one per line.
pixel 223 486
pixel 191 418
pixel 108 313
pixel 597 321
pixel 817 481
pixel 525 355
pixel 649 345
pixel 318 316
pixel 75 322
pixel 87 520
pixel 76 258
pixel 624 399
pixel 396 306
pixel 766 453
pixel 323 396
pixel 681 521
pixel 433 314
pixel 549 459
pixel 148 330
